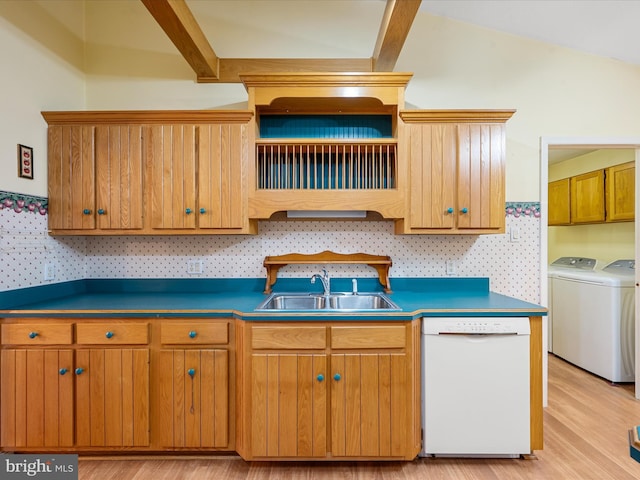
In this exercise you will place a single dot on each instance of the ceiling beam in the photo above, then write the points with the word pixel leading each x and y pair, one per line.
pixel 395 26
pixel 177 21
pixel 231 68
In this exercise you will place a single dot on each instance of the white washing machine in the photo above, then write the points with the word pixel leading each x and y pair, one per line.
pixel 594 319
pixel 564 264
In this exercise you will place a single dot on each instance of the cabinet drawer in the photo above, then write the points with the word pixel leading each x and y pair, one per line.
pixel 110 333
pixel 391 336
pixel 288 338
pixel 37 334
pixel 197 333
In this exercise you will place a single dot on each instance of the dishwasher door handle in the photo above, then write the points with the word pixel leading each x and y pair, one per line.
pixel 478 334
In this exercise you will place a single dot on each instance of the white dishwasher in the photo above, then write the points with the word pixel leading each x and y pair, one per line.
pixel 475 386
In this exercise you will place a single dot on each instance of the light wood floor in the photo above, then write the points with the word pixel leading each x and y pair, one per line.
pixel 585 433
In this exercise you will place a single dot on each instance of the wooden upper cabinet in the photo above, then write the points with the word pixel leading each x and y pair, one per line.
pixel 456 171
pixel 432 176
pixel 587 197
pixel 119 176
pixel 170 151
pixel 71 182
pixel 148 172
pixel 95 177
pixel 481 177
pixel 559 202
pixel 197 179
pixel 222 154
pixel 620 191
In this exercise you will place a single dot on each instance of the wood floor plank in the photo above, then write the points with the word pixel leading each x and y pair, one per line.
pixel 585 435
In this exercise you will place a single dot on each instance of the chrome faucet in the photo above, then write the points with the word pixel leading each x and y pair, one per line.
pixel 324 278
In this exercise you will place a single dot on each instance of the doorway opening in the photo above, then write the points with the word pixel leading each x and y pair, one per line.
pixel 560 149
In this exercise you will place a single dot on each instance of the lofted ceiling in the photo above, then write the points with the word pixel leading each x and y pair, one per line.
pixel 599 27
pixel 607 28
pixel 178 21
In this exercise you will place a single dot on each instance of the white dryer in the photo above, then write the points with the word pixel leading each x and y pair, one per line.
pixel 564 264
pixel 594 319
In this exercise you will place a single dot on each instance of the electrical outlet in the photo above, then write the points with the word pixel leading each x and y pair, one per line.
pixel 49 271
pixel 451 268
pixel 194 267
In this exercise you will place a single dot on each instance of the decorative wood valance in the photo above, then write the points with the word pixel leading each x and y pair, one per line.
pixel 145 117
pixel 379 262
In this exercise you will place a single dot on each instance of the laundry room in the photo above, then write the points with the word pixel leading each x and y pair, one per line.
pixel 591 252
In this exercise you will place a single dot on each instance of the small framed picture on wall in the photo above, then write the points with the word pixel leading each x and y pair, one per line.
pixel 25 161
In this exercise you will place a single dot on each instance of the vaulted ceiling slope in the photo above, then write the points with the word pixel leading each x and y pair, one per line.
pixel 181 26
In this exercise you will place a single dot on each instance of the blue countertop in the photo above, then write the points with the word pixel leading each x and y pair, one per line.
pixel 417 297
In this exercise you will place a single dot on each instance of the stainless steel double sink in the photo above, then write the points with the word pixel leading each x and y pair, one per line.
pixel 338 302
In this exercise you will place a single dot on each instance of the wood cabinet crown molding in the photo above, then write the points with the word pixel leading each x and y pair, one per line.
pixel 387 88
pixel 455 116
pixel 310 79
pixel 128 117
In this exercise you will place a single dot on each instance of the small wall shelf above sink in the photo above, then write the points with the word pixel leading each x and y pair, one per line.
pixel 379 262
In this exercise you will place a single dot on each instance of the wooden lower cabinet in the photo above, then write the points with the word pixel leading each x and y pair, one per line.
pixel 36 404
pixel 193 385
pixel 288 405
pixel 78 395
pixel 193 407
pixel 115 385
pixel 99 400
pixel 348 392
pixel 368 404
pixel 112 397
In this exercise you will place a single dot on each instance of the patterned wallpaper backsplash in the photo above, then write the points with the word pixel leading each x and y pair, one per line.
pixel 512 266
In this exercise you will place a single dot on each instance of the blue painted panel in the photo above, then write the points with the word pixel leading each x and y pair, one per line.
pixel 325 126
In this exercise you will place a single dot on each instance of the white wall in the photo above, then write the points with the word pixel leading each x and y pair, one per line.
pixel 556 91
pixel 129 63
pixel 41 62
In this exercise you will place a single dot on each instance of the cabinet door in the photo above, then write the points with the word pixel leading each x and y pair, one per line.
pixel 288 405
pixel 71 177
pixel 170 151
pixel 620 189
pixel 36 403
pixel 433 155
pixel 370 404
pixel 194 398
pixel 587 197
pixel 112 397
pixel 222 150
pixel 119 176
pixel 481 172
pixel 559 203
